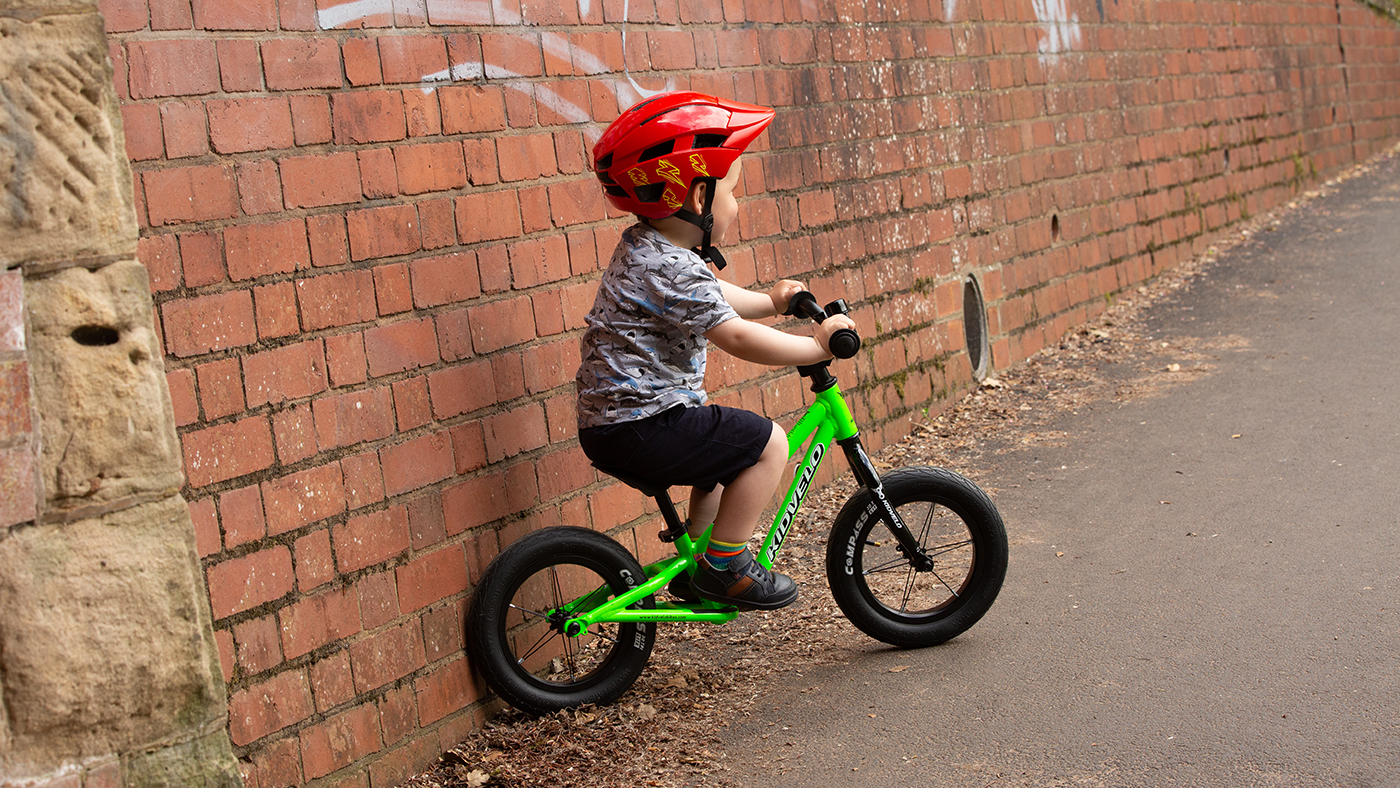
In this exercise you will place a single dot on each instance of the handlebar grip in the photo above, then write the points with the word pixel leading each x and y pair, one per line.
pixel 845 343
pixel 804 304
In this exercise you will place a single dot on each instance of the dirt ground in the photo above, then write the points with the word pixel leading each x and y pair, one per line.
pixel 663 732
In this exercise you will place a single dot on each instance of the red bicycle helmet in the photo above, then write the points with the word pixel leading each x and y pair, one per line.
pixel 648 158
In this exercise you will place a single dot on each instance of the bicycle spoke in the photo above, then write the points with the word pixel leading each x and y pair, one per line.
pixel 538 644
pixel 894 563
pixel 908 589
pixel 527 611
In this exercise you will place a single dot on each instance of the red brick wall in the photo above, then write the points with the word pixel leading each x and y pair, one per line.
pixel 372 236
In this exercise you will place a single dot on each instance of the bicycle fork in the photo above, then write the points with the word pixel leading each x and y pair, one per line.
pixel 869 477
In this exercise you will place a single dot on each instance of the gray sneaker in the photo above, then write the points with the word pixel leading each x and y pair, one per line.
pixel 745 584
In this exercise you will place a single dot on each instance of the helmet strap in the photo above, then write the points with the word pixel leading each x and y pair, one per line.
pixel 706 222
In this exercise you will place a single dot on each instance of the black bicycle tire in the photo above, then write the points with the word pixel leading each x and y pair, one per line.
pixel 849 541
pixel 488 636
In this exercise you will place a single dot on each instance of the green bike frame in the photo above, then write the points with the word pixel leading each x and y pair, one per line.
pixel 828 419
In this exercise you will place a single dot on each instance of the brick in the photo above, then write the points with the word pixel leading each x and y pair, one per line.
pixel 453 12
pixel 227 451
pixel 183 400
pixel 348 419
pixel 425 524
pixel 295 433
pixel 474 502
pixel 501 324
pixel 339 741
pixel 157 69
pixel 454 335
pixel 259 647
pixel 362 62
pixel 525 157
pixel 445 279
pixel 202 258
pixel 315 566
pixel 345 359
pixel 445 690
pixel 462 388
pixel 401 346
pixel 411 407
pixel 123 16
pixel 393 292
pixel 332 300
pixel 302 63
pixel 387 656
pixel 408 59
pixel 576 202
pixel 288 372
pixel 374 116
pixel 472 109
pixel 171 15
pixel 432 167
pixel 311 119
pixel 17 505
pixel 537 262
pixel 268 707
pixel 432 578
pixel 398 716
pixel 469 446
pixel 141 125
pixel 482 166
pixel 364 480
pixel 330 681
pixel 185 129
pixel 256 250
pixel 378 178
pixel 240 70
pixel 370 539
pixel 304 497
pixel 276 308
pixel 259 187
pixel 487 216
pixel 423 113
pixel 318 181
pixel 194 326
pixel 522 53
pixel 220 388
pixel 250 124
pixel 241 512
pixel 417 463
pixel 313 622
pixel 379 600
pixel 160 254
pixel 235 14
pixel 383 232
pixel 275 764
pixel 515 431
pixel 190 194
pixel 205 520
pixel 438 219
pixel 240 584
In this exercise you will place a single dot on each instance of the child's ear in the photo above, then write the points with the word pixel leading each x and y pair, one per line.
pixel 695 198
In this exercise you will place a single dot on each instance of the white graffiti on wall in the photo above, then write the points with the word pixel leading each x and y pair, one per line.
pixel 493 12
pixel 1060 26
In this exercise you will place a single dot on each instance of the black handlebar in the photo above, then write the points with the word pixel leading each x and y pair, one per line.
pixel 845 343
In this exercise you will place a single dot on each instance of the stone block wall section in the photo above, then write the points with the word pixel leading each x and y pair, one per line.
pixel 371 234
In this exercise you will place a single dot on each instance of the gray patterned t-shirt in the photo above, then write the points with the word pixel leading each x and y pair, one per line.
pixel 644 350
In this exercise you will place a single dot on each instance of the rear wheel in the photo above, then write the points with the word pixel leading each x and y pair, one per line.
pixel 883 592
pixel 515 628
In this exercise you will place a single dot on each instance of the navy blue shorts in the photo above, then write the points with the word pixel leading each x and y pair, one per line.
pixel 697 447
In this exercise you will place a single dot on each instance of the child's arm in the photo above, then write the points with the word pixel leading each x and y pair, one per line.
pixel 762 344
pixel 751 305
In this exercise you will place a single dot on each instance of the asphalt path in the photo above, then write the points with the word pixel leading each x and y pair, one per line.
pixel 1204 585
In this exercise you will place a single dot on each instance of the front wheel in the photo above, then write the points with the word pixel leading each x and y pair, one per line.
pixel 515 628
pixel 879 588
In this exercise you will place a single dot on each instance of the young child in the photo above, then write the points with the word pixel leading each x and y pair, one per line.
pixel 672 161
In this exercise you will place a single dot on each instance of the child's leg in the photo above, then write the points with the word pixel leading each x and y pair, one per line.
pixel 743 501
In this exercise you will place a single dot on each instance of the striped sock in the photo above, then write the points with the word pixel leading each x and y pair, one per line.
pixel 719 554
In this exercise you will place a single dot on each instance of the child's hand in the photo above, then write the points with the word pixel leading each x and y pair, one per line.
pixel 782 292
pixel 830 326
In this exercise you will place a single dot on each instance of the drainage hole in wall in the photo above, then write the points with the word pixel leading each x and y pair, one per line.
pixel 975 328
pixel 1055 228
pixel 95 336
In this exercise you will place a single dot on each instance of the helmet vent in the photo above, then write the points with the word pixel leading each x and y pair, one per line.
pixel 616 191
pixel 710 140
pixel 605 177
pixel 657 151
pixel 605 162
pixel 650 192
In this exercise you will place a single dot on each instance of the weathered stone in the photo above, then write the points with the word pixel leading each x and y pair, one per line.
pixel 99 384
pixel 65 184
pixel 105 637
pixel 33 9
pixel 205 762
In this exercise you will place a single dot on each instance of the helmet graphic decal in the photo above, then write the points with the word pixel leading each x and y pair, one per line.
pixel 697 162
pixel 670 172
